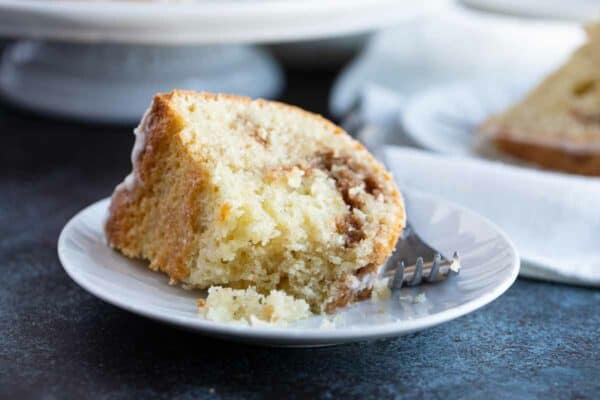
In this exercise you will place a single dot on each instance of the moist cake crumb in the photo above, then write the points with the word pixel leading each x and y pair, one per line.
pixel 248 307
pixel 381 290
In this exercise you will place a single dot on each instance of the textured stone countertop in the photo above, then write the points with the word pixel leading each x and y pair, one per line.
pixel 539 340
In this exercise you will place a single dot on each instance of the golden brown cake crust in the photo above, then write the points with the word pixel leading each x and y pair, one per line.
pixel 137 210
pixel 552 158
pixel 130 207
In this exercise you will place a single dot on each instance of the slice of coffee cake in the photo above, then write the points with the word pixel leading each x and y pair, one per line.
pixel 557 125
pixel 242 193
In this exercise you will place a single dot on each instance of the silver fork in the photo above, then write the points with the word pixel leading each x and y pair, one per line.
pixel 413 261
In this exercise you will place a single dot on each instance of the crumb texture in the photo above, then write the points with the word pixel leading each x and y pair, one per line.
pixel 236 192
pixel 381 290
pixel 248 307
pixel 557 125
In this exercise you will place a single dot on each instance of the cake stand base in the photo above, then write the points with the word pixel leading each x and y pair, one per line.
pixel 114 83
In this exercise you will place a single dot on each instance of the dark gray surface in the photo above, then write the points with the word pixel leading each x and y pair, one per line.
pixel 539 340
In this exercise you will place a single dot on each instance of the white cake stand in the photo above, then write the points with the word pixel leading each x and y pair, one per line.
pixel 577 10
pixel 141 48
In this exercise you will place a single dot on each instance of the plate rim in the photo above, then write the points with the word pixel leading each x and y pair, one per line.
pixel 554 10
pixel 301 336
pixel 202 23
pixel 406 115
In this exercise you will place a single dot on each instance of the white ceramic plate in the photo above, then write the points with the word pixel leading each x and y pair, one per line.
pixel 580 10
pixel 490 265
pixel 444 119
pixel 201 21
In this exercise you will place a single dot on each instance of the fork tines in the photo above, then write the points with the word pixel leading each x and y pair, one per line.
pixel 432 271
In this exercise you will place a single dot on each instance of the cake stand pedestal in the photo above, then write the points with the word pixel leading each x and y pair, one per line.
pixel 114 82
pixel 103 61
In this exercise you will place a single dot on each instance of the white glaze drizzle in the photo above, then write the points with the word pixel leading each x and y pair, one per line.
pixel 141 133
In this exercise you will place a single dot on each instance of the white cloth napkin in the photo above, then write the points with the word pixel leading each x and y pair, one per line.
pixel 456 44
pixel 553 219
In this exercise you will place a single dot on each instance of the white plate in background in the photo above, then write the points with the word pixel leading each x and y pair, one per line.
pixel 489 260
pixel 445 118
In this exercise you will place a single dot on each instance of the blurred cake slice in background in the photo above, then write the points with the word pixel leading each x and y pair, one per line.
pixel 229 191
pixel 557 125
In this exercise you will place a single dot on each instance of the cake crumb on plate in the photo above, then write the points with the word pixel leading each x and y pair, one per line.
pixel 419 298
pixel 248 307
pixel 381 290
